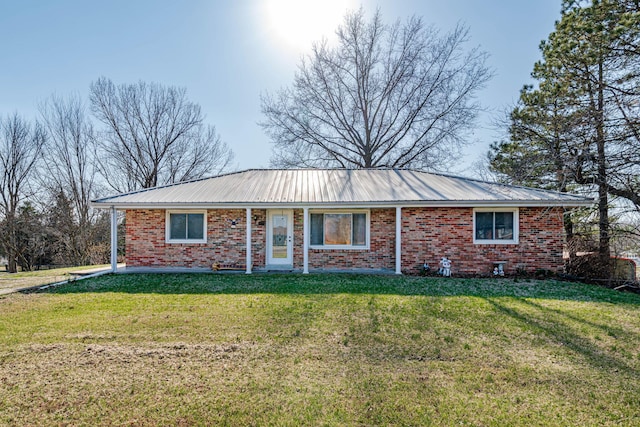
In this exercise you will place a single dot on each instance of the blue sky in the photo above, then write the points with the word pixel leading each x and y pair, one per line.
pixel 226 53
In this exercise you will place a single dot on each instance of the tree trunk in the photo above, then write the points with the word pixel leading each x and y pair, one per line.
pixel 11 247
pixel 603 194
pixel 568 232
pixel 12 264
pixel 12 256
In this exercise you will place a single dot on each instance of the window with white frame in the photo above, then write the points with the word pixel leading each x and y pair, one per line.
pixel 339 229
pixel 186 227
pixel 495 226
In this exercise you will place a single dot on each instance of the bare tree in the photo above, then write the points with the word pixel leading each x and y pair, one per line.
pixel 384 96
pixel 20 148
pixel 153 136
pixel 71 170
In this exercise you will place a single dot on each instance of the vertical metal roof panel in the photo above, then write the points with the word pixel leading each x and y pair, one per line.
pixel 336 186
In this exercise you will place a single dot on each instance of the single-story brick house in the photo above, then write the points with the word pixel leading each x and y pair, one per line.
pixel 336 219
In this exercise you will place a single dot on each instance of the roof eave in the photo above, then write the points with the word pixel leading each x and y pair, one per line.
pixel 104 204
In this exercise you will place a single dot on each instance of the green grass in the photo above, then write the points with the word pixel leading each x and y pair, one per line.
pixel 319 350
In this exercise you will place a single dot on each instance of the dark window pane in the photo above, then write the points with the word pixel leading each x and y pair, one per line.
pixel 178 226
pixel 484 225
pixel 504 225
pixel 195 226
pixel 359 229
pixel 337 229
pixel 317 236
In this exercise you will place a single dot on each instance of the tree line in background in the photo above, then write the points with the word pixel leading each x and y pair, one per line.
pixel 578 128
pixel 127 137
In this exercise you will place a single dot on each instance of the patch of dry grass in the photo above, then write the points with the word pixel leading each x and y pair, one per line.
pixel 319 350
pixel 21 280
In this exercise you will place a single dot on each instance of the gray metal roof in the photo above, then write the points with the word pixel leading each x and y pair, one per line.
pixel 338 187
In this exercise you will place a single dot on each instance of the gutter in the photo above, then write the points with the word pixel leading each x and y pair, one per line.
pixel 345 205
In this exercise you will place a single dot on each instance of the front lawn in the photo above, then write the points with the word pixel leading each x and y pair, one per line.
pixel 319 350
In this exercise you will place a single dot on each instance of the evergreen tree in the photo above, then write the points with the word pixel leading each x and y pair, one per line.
pixel 580 125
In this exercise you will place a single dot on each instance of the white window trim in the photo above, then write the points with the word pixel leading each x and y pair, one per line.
pixel 516 227
pixel 344 211
pixel 167 226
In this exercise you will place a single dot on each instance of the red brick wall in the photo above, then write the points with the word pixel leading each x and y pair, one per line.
pixel 146 245
pixel 427 235
pixel 380 255
pixel 258 237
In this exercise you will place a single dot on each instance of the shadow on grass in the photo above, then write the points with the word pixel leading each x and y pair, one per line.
pixel 557 327
pixel 554 314
pixel 159 283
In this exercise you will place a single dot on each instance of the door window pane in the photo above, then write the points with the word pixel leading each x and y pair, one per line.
pixel 279 236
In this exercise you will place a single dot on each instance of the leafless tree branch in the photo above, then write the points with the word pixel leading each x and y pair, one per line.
pixel 153 136
pixel 398 95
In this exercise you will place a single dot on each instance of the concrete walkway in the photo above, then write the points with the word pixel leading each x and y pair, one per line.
pixel 146 270
pixel 256 270
pixel 40 280
pixel 95 270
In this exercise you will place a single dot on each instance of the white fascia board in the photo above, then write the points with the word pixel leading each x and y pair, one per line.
pixel 360 205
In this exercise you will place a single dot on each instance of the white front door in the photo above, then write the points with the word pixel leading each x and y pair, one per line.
pixel 280 237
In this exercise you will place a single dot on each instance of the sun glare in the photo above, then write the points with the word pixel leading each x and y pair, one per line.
pixel 297 23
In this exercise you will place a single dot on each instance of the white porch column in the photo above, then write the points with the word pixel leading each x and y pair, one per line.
pixel 305 241
pixel 398 240
pixel 114 240
pixel 248 271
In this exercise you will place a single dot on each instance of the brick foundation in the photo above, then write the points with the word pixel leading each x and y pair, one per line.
pixel 427 235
